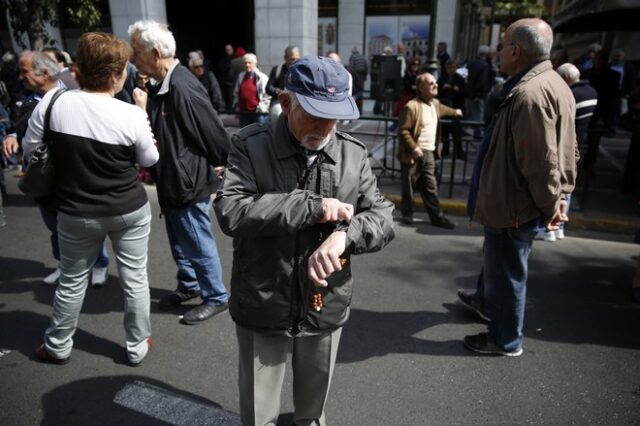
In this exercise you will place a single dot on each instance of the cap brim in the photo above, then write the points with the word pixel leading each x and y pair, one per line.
pixel 343 110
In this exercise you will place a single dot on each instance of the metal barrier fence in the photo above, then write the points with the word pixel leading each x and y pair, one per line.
pixel 464 133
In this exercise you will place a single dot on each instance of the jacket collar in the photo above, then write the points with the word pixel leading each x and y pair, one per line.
pixel 287 145
pixel 164 86
pixel 531 73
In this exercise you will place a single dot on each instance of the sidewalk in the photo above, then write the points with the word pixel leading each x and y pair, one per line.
pixel 605 207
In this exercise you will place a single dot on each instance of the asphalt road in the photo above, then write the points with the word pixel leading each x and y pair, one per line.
pixel 401 360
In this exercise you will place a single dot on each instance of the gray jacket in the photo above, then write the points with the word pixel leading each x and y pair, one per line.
pixel 271 205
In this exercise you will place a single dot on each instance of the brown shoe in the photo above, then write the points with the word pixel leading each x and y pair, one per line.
pixel 43 355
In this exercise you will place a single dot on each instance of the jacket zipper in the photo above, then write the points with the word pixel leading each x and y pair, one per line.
pixel 296 291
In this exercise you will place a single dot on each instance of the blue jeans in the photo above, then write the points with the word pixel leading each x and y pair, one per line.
pixel 194 250
pixel 503 286
pixel 50 218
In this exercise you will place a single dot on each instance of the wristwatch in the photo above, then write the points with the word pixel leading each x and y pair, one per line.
pixel 342 226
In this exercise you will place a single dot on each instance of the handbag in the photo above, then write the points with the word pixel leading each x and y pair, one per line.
pixel 38 181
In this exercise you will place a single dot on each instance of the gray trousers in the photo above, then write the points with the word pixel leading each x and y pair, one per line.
pixel 80 241
pixel 261 373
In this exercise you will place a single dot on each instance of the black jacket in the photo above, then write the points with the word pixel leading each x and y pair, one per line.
pixel 271 205
pixel 191 141
pixel 210 82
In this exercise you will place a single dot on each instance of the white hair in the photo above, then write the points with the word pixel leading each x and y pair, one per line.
pixel 195 59
pixel 154 35
pixel 250 57
pixel 569 72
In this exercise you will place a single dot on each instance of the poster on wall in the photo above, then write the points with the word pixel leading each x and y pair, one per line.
pixel 414 35
pixel 399 35
pixel 327 35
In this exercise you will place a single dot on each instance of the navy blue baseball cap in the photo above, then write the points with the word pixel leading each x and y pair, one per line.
pixel 322 88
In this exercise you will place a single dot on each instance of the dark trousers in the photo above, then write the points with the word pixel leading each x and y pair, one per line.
pixel 452 131
pixel 421 176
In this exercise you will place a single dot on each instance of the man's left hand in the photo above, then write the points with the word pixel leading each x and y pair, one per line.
pixel 459 113
pixel 219 171
pixel 326 259
pixel 560 216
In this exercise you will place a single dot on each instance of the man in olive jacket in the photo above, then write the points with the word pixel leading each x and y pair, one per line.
pixel 419 150
pixel 299 199
pixel 525 169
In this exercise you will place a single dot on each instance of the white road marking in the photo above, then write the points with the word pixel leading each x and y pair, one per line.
pixel 171 408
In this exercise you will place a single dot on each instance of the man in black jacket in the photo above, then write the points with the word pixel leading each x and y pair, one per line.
pixel 193 146
pixel 299 200
pixel 275 84
pixel 208 80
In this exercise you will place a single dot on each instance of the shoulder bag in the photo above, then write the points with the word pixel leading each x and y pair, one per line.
pixel 38 181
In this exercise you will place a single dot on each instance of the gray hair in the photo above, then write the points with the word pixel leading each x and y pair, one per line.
pixel 154 35
pixel 8 57
pixel 483 50
pixel 290 49
pixel 292 98
pixel 42 62
pixel 594 47
pixel 195 59
pixel 569 72
pixel 534 44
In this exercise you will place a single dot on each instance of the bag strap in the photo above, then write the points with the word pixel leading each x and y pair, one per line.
pixel 47 114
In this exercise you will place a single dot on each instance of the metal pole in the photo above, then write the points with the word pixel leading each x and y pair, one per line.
pixel 432 63
pixel 493 14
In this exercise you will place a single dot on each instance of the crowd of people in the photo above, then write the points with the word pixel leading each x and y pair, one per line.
pixel 297 196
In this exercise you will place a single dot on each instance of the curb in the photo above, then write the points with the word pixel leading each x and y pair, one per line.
pixel 577 220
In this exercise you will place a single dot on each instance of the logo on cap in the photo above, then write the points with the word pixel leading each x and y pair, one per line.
pixel 322 88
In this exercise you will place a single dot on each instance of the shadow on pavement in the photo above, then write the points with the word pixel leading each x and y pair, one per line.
pixel 592 304
pixel 129 400
pixel 12 269
pixel 371 334
pixel 31 332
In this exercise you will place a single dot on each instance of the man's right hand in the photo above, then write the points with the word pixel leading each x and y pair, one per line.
pixel 9 146
pixel 334 211
pixel 140 98
pixel 417 153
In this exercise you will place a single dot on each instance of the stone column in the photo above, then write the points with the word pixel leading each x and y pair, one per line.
pixel 280 23
pixel 126 12
pixel 350 28
pixel 446 24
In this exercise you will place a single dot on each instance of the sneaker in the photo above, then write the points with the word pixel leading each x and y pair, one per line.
pixel 176 298
pixel 203 312
pixel 549 236
pixel 559 234
pixel 52 278
pixel 468 301
pixel 150 344
pixel 99 276
pixel 481 344
pixel 442 222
